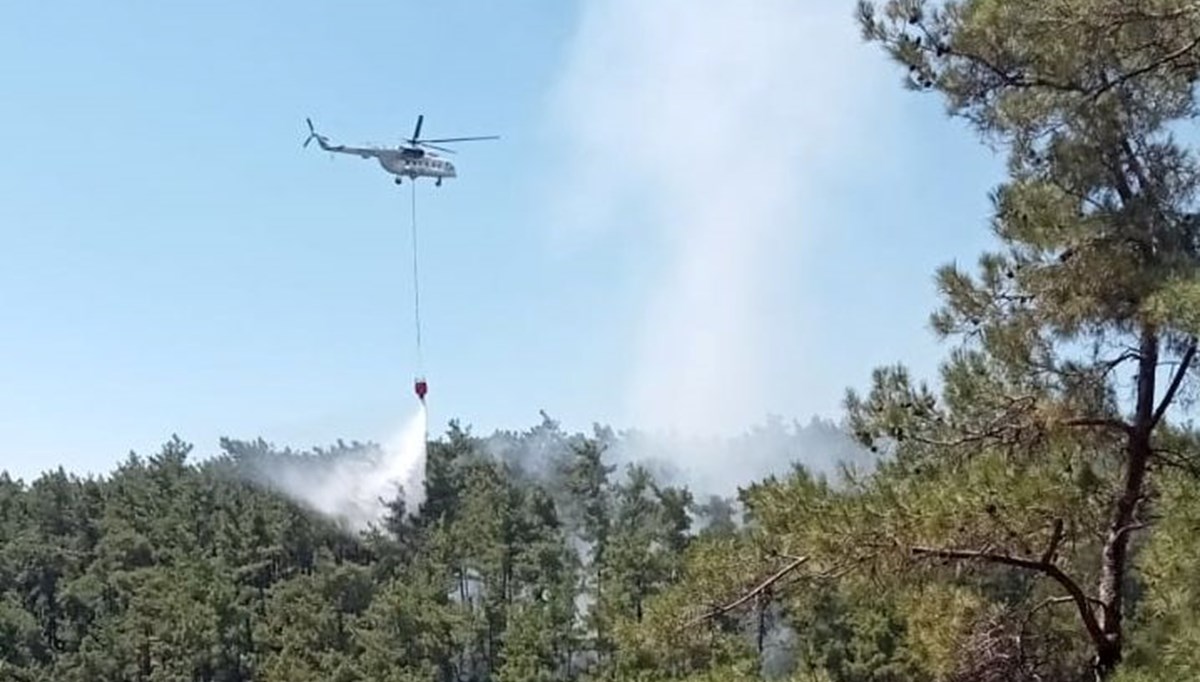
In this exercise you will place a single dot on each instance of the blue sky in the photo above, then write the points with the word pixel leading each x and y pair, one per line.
pixel 174 262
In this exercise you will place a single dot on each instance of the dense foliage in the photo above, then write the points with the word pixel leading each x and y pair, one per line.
pixel 1032 516
pixel 531 558
pixel 536 558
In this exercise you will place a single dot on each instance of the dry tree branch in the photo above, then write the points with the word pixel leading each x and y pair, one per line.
pixel 1049 569
pixel 1101 422
pixel 759 589
pixel 1056 537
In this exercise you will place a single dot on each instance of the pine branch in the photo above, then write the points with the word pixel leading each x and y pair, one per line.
pixel 1133 14
pixel 1047 602
pixel 1100 422
pixel 1056 537
pixel 1141 71
pixel 1121 359
pixel 1016 80
pixel 1050 570
pixel 762 587
pixel 1052 601
pixel 1020 79
pixel 1176 460
pixel 1129 528
pixel 1184 365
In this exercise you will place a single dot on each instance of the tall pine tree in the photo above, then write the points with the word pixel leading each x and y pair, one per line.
pixel 1079 333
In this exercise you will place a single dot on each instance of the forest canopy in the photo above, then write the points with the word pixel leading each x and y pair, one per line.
pixel 531 557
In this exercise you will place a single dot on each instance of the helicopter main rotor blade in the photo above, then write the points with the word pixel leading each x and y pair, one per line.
pixel 434 146
pixel 462 139
pixel 417 131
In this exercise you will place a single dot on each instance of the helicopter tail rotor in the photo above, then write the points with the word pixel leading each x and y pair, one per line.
pixel 312 134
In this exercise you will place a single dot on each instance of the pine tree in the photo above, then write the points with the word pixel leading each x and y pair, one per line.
pixel 1095 284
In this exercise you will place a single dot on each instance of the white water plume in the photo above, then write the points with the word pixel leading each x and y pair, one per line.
pixel 355 488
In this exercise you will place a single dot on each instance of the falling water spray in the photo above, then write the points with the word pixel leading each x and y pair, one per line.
pixel 403 463
pixel 355 489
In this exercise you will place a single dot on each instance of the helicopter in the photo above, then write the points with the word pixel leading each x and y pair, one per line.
pixel 411 160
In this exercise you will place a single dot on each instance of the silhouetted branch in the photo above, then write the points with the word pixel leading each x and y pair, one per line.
pixel 1056 537
pixel 1184 365
pixel 1077 595
pixel 1156 64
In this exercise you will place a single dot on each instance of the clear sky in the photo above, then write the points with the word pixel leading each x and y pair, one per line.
pixel 700 212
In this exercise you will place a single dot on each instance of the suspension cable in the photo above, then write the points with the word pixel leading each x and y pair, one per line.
pixel 416 277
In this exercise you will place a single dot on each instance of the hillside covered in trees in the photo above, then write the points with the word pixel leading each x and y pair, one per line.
pixel 1030 514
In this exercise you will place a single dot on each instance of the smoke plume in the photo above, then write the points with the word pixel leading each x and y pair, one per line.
pixel 707 126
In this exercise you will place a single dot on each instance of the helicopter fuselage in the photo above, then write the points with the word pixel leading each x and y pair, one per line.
pixel 413 166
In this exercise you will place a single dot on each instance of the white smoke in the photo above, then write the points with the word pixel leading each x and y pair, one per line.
pixel 707 126
pixel 355 489
pixel 719 465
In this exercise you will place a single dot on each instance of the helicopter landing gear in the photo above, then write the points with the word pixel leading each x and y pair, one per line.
pixel 438 183
pixel 397 181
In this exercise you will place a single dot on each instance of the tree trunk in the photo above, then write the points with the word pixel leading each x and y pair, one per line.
pixel 1115 554
pixel 144 657
pixel 762 624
